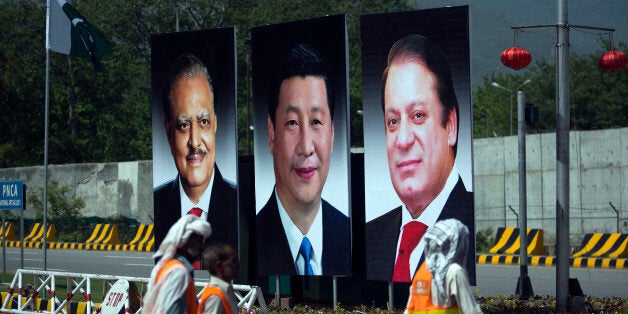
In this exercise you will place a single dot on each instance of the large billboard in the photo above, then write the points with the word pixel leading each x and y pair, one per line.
pixel 300 79
pixel 417 135
pixel 193 80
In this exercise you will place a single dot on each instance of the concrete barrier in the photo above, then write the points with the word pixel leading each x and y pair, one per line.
pixel 42 304
pixel 104 234
pixel 576 262
pixel 143 241
pixel 507 241
pixel 8 231
pixel 104 237
pixel 605 250
pixel 614 245
pixel 37 233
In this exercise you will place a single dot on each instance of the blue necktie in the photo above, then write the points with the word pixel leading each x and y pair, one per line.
pixel 306 251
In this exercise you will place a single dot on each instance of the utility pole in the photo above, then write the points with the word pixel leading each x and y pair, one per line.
pixel 524 285
pixel 562 160
pixel 562 151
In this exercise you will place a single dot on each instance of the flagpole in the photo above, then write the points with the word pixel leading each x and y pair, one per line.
pixel 46 133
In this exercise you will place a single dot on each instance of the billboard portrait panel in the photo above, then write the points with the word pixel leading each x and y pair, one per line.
pixel 417 135
pixel 300 96
pixel 193 86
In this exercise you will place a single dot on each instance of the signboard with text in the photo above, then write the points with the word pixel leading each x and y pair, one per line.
pixel 12 195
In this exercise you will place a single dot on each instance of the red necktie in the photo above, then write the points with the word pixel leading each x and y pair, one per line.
pixel 195 211
pixel 410 237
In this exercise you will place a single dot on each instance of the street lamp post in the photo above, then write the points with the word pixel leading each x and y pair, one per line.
pixel 511 91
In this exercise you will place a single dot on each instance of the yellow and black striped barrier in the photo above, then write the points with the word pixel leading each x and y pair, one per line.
pixel 507 241
pixel 8 231
pixel 613 245
pixel 104 237
pixel 514 260
pixel 42 304
pixel 598 250
pixel 35 237
pixel 143 241
pixel 37 233
pixel 575 262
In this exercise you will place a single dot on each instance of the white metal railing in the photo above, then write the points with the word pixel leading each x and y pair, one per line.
pixel 247 295
pixel 76 283
pixel 81 284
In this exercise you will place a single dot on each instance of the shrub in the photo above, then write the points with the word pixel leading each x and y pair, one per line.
pixel 484 240
pixel 62 209
pixel 72 237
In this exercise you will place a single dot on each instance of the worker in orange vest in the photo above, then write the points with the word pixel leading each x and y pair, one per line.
pixel 171 285
pixel 222 262
pixel 441 285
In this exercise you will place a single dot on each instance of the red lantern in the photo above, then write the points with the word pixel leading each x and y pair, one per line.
pixel 516 58
pixel 613 60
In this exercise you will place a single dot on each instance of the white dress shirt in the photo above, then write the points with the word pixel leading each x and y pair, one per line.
pixel 294 235
pixel 428 217
pixel 203 202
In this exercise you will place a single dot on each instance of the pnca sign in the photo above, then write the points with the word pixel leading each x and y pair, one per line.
pixel 12 195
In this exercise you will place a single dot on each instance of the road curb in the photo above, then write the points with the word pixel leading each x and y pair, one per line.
pixel 576 262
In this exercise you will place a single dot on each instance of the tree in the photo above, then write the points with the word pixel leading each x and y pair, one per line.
pixel 107 117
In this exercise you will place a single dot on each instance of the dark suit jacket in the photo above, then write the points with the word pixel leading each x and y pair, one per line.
pixel 273 251
pixel 382 235
pixel 223 210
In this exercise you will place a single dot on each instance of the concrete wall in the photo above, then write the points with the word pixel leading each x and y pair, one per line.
pixel 598 176
pixel 108 189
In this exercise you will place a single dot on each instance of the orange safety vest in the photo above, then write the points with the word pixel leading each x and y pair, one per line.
pixel 190 293
pixel 420 298
pixel 210 291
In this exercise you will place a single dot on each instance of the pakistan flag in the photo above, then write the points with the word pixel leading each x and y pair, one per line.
pixel 71 34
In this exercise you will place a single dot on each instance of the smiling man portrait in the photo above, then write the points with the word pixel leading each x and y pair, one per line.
pixel 421 119
pixel 298 232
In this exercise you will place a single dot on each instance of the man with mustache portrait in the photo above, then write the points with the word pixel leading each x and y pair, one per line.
pixel 190 125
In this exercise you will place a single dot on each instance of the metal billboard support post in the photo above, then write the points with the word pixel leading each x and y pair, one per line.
pixel 390 296
pixel 4 246
pixel 524 285
pixel 22 239
pixel 277 293
pixel 22 229
pixel 335 292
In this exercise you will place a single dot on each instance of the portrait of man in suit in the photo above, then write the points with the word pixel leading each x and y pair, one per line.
pixel 297 231
pixel 190 125
pixel 421 124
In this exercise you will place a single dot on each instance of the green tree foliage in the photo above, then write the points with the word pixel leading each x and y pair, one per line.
pixel 107 117
pixel 597 98
pixel 22 81
pixel 63 210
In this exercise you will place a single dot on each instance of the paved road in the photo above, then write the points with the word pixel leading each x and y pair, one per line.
pixel 492 280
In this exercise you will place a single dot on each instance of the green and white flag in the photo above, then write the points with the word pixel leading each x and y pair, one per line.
pixel 71 34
